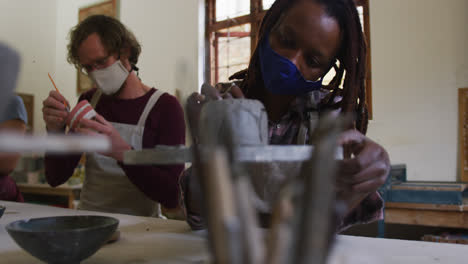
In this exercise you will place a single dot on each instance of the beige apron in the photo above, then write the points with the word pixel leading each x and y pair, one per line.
pixel 106 187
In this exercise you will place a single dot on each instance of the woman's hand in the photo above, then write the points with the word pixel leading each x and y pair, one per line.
pixel 196 101
pixel 54 112
pixel 101 126
pixel 229 90
pixel 195 104
pixel 363 170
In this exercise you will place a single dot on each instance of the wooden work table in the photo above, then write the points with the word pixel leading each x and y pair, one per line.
pixel 438 215
pixel 150 240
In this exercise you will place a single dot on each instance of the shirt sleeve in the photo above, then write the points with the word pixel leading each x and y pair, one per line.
pixel 59 168
pixel 369 210
pixel 15 110
pixel 8 190
pixel 165 126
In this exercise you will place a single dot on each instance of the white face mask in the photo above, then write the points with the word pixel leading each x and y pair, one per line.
pixel 110 79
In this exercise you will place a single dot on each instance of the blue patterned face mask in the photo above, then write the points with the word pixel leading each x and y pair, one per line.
pixel 280 75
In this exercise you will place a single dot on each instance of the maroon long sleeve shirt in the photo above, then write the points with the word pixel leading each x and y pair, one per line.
pixel 164 126
pixel 8 189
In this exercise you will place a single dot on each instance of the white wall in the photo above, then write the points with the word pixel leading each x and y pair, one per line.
pixel 65 74
pixel 168 32
pixel 29 27
pixel 419 59
pixel 170 60
pixel 172 50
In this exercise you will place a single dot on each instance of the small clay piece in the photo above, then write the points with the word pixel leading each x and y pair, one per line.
pixel 114 237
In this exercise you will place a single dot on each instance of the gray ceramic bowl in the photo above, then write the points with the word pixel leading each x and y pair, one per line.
pixel 62 239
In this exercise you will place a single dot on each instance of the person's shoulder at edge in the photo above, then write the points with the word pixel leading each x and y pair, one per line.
pixel 16 110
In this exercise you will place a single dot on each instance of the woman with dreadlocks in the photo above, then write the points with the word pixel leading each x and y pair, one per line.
pixel 299 42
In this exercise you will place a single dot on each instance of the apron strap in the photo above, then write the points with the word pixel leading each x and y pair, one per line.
pixel 149 105
pixel 94 101
pixel 95 98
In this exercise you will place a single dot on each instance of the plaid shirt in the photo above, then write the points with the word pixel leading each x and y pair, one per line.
pixel 285 132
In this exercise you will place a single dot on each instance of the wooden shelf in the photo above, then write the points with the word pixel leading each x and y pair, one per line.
pixel 71 192
pixel 437 215
pixel 463 133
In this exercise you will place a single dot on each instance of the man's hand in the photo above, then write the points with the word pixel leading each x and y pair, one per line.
pixel 54 112
pixel 101 126
pixel 363 170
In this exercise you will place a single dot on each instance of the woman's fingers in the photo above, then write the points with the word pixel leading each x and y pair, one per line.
pixel 210 92
pixel 51 102
pixel 378 170
pixel 53 120
pixel 367 170
pixel 369 154
pixel 371 185
pixel 236 92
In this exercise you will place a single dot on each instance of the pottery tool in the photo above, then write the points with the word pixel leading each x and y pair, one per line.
pixel 164 155
pixel 314 226
pixel 13 142
pixel 280 233
pixel 67 107
pixel 253 250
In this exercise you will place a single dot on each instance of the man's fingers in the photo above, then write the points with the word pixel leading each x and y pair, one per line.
pixel 102 120
pixel 47 111
pixel 53 103
pixel 85 131
pixel 57 96
pixel 53 119
pixel 94 125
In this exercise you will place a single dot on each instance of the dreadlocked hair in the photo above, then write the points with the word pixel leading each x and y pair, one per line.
pixel 351 60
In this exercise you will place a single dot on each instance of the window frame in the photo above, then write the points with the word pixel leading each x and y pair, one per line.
pixel 254 18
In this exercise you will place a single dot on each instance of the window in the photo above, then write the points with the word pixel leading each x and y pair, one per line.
pixel 230 25
pixel 231 30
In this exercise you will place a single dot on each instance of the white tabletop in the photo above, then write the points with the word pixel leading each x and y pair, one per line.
pixel 150 240
pixel 142 239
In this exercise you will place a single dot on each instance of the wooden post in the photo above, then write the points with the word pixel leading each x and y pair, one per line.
pixel 463 133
